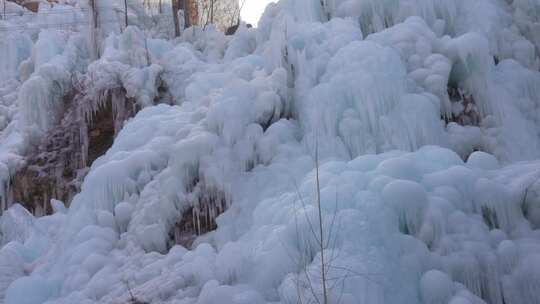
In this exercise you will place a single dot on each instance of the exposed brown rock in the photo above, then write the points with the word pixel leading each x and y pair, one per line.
pixel 207 204
pixel 465 111
pixel 56 168
pixel 31 5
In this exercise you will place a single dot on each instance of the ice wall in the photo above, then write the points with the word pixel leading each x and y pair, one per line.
pixel 418 204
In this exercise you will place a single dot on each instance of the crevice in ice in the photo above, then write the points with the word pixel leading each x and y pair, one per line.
pixel 200 218
pixel 530 205
pixel 205 203
pixel 464 108
pixel 490 218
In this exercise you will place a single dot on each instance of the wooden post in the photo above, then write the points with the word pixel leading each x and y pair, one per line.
pixel 4 1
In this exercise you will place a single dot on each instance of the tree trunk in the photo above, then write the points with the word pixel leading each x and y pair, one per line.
pixel 126 13
pixel 175 8
pixel 184 6
pixel 212 11
pixel 94 31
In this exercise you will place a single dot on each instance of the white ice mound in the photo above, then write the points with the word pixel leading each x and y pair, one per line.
pixel 401 222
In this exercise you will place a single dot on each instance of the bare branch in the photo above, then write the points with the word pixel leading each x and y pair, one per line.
pixel 325 295
pixel 333 219
pixel 310 284
pixel 307 217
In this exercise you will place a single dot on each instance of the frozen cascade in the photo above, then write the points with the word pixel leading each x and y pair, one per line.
pixel 85 122
pixel 424 114
pixel 57 167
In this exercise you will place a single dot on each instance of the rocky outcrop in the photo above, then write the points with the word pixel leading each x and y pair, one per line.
pixel 206 204
pixel 57 166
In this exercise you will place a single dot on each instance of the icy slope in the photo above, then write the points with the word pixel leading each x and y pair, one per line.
pixel 392 95
pixel 37 66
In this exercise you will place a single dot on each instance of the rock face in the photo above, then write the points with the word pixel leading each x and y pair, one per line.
pixel 56 168
pixel 207 203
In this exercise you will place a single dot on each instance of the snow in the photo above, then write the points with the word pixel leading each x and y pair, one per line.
pixel 409 201
pixel 15 49
pixel 43 290
pixel 436 287
pixel 423 116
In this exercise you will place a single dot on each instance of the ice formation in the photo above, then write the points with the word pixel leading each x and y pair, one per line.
pixel 423 116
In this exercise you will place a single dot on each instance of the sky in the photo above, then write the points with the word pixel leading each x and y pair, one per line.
pixel 253 9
